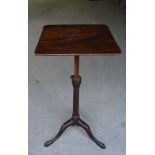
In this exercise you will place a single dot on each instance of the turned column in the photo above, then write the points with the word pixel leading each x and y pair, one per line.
pixel 76 81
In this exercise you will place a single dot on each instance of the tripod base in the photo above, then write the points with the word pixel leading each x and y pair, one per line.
pixel 74 120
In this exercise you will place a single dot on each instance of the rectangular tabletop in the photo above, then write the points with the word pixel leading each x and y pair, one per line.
pixel 76 40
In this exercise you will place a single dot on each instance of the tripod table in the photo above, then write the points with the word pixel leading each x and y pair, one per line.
pixel 76 40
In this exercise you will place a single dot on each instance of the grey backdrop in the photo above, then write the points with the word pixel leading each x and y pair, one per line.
pixel 102 93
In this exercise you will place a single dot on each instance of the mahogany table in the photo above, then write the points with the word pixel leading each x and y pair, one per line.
pixel 76 40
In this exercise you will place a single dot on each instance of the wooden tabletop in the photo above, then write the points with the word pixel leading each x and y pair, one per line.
pixel 76 40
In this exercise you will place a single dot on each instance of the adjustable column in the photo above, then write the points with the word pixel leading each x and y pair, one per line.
pixel 75 119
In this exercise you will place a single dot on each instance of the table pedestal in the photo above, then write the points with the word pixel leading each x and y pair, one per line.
pixel 75 119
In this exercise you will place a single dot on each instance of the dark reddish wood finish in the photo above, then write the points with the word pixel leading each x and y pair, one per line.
pixel 75 119
pixel 76 40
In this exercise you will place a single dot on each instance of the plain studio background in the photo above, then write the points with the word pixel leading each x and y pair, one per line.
pixel 102 92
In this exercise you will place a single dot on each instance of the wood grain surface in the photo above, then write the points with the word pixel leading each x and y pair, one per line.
pixel 76 40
